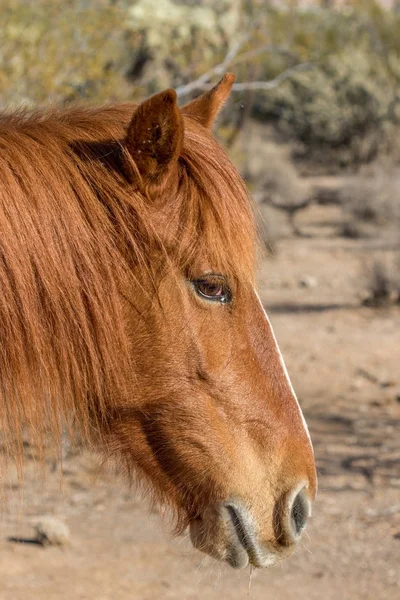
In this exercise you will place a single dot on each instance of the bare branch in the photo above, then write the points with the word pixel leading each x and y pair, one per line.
pixel 202 83
pixel 270 48
pixel 272 83
pixel 219 69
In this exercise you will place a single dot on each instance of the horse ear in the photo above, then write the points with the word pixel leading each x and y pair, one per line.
pixel 207 106
pixel 155 135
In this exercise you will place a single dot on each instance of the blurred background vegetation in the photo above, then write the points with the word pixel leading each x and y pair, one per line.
pixel 344 99
pixel 318 88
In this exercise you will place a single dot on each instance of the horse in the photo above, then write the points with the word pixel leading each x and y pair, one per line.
pixel 129 312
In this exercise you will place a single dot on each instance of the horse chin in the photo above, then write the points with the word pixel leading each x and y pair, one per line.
pixel 227 533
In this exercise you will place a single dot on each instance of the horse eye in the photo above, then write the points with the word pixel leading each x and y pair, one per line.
pixel 214 288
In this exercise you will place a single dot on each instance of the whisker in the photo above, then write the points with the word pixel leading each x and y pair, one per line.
pixel 250 580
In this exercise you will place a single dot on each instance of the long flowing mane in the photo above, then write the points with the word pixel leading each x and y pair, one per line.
pixel 71 230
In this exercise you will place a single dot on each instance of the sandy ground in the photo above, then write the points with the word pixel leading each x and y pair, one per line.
pixel 344 362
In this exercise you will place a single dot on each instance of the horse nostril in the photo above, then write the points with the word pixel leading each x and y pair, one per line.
pixel 299 513
pixel 292 512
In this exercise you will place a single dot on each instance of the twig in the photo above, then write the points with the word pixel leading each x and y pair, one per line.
pixel 202 84
pixel 219 69
pixel 272 83
pixel 250 580
pixel 271 48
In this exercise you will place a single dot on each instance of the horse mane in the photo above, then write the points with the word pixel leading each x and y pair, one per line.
pixel 71 229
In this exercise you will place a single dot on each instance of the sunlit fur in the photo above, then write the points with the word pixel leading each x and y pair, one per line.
pixel 102 330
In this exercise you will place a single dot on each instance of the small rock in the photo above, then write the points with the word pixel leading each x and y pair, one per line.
pixel 308 281
pixel 52 532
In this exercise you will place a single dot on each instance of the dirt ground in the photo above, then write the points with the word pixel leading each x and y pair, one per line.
pixel 344 362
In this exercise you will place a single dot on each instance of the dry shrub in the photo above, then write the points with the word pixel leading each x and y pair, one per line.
pixel 345 107
pixel 181 38
pixel 281 182
pixel 338 110
pixel 278 189
pixel 103 50
pixel 383 283
pixel 272 226
pixel 371 201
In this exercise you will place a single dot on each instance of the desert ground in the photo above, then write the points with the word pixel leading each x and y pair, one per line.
pixel 344 362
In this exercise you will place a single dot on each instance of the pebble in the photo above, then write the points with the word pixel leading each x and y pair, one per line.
pixel 308 281
pixel 52 532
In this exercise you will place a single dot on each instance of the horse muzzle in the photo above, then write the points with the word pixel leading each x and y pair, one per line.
pixel 232 533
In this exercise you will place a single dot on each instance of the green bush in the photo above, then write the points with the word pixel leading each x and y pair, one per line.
pixel 182 39
pixel 53 51
pixel 102 50
pixel 343 107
